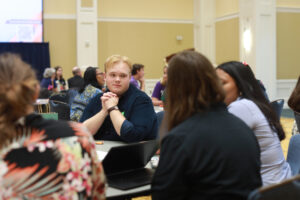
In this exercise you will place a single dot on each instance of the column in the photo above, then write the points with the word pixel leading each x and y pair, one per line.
pixel 258 40
pixel 204 28
pixel 87 33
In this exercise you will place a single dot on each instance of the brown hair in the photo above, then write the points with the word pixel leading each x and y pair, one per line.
pixel 193 86
pixel 17 88
pixel 294 100
pixel 110 61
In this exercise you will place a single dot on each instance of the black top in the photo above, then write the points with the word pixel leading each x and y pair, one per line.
pixel 137 108
pixel 76 82
pixel 211 155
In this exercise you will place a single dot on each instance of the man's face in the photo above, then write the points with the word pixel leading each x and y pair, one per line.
pixel 141 73
pixel 118 78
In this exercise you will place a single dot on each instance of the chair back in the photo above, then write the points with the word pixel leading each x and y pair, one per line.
pixel 61 96
pixel 297 119
pixel 286 190
pixel 293 155
pixel 61 108
pixel 71 94
pixel 277 105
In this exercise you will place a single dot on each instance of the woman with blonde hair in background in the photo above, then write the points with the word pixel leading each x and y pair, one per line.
pixel 41 159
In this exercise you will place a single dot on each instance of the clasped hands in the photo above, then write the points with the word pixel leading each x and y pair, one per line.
pixel 108 100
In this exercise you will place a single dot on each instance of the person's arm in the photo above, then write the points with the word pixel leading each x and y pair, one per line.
pixel 95 122
pixel 142 121
pixel 142 84
pixel 116 116
pixel 156 101
pixel 156 95
pixel 169 181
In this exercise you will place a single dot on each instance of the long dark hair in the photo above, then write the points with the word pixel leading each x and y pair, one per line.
pixel 294 100
pixel 249 88
pixel 90 78
pixel 193 86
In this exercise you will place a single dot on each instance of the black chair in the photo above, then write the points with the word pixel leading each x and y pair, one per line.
pixel 286 190
pixel 61 96
pixel 297 119
pixel 277 105
pixel 293 155
pixel 61 108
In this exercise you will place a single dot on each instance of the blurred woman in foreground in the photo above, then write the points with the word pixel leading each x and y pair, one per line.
pixel 41 159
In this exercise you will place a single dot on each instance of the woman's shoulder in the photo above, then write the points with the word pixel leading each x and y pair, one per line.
pixel 242 103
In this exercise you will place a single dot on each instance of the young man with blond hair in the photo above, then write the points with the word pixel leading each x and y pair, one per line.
pixel 123 113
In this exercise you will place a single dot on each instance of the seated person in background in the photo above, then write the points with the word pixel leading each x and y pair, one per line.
pixel 246 100
pixel 159 89
pixel 48 81
pixel 41 159
pixel 137 76
pixel 208 153
pixel 123 113
pixel 90 89
pixel 294 103
pixel 76 82
pixel 101 80
pixel 59 79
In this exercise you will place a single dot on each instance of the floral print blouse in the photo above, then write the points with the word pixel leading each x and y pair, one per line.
pixel 51 160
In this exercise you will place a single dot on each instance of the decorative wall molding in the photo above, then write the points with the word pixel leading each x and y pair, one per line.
pixel 288 10
pixel 284 88
pixel 227 17
pixel 141 20
pixel 59 16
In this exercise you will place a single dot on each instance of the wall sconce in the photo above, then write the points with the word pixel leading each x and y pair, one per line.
pixel 247 40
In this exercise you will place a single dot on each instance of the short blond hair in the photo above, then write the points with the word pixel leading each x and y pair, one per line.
pixel 111 60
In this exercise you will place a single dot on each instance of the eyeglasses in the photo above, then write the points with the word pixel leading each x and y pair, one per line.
pixel 101 74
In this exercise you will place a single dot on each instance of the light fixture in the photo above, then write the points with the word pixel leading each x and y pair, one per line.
pixel 247 40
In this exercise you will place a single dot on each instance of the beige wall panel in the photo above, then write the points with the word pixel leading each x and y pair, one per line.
pixel 288 45
pixel 61 35
pixel 227 40
pixel 226 7
pixel 154 9
pixel 60 7
pixel 146 43
pixel 288 3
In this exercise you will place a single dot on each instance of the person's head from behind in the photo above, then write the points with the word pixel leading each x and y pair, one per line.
pixel 193 86
pixel 117 74
pixel 49 73
pixel 19 89
pixel 239 81
pixel 76 71
pixel 58 72
pixel 138 69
